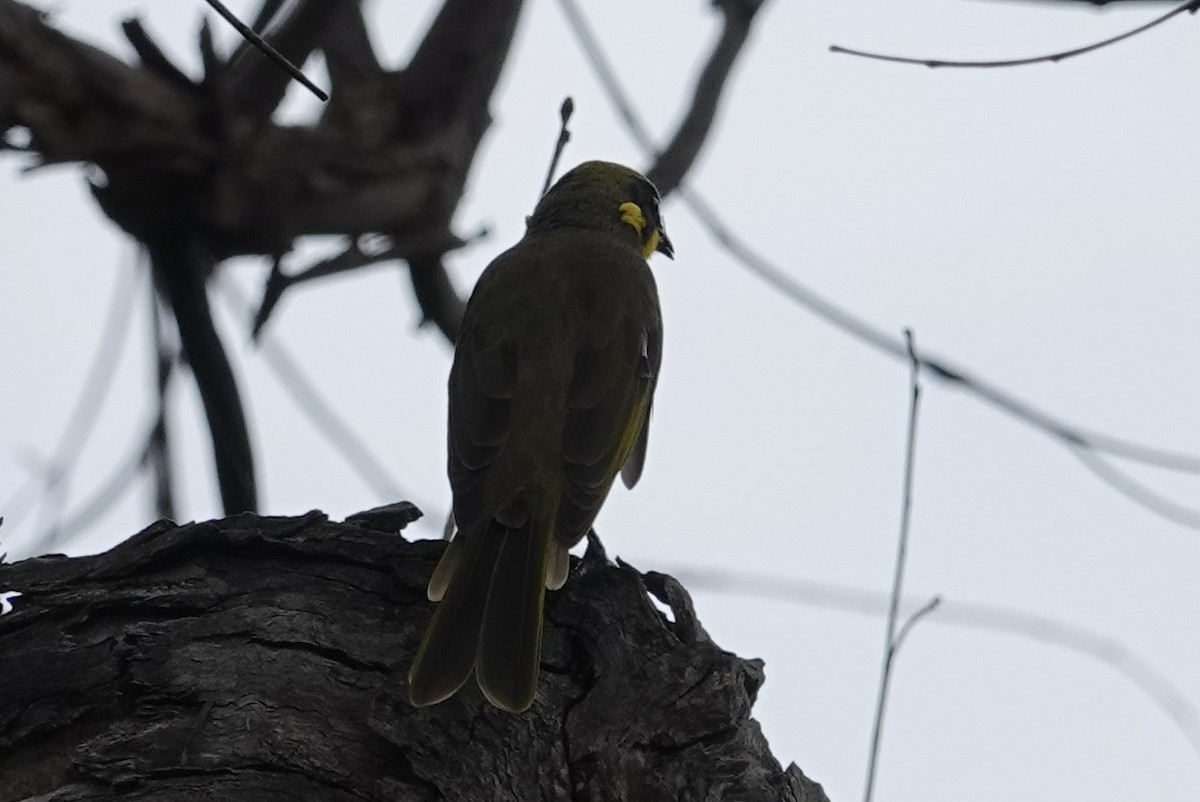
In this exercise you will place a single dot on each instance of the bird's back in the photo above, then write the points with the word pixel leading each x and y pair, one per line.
pixel 546 338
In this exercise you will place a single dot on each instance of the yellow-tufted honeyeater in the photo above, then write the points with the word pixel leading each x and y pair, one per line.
pixel 550 393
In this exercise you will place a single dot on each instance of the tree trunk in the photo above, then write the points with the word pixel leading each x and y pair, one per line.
pixel 265 659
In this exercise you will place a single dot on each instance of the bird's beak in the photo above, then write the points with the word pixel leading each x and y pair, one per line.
pixel 664 245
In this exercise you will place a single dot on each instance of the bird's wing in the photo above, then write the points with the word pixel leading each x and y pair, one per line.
pixel 608 409
pixel 480 389
pixel 649 361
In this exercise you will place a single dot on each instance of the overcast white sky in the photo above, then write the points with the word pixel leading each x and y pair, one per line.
pixel 1036 225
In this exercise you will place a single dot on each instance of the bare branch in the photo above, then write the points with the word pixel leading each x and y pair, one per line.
pixel 439 301
pixel 53 474
pixel 672 164
pixel 266 48
pixel 255 84
pixel 81 104
pixel 319 412
pixel 1136 492
pixel 680 154
pixel 892 643
pixel 914 619
pixel 199 172
pixel 564 136
pixel 181 268
pixel 1190 5
pixel 352 257
pixel 107 493
pixel 349 54
pixel 455 69
pixel 152 55
pixel 158 449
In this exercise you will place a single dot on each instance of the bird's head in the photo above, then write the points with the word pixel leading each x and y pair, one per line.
pixel 608 197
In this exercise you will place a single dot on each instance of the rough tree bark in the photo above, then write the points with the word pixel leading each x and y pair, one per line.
pixel 264 658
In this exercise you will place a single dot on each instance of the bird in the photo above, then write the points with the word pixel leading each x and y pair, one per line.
pixel 550 394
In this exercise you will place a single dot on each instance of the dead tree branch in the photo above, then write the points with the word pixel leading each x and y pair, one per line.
pixel 201 162
pixel 674 162
pixel 264 658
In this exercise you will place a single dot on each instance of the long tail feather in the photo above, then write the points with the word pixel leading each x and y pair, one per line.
pixel 446 656
pixel 510 642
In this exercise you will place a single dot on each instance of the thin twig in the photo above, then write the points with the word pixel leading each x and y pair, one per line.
pixel 1190 5
pixel 912 621
pixel 106 495
pixel 87 407
pixel 151 54
pixel 1131 489
pixel 681 152
pixel 1075 439
pixel 158 450
pixel 270 52
pixel 353 257
pixel 586 38
pixel 892 643
pixel 564 136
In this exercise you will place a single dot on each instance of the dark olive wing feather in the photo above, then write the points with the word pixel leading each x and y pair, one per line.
pixel 650 361
pixel 608 408
pixel 480 389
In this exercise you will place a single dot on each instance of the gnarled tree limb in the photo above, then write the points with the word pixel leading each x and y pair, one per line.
pixel 264 658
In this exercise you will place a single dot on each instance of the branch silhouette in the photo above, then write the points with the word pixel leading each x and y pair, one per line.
pixel 199 171
pixel 270 52
pixel 320 413
pixel 41 484
pixel 1190 5
pixel 892 640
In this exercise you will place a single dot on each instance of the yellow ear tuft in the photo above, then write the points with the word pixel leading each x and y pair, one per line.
pixel 651 245
pixel 631 213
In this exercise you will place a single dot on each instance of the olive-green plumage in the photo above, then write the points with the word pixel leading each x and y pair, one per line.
pixel 550 393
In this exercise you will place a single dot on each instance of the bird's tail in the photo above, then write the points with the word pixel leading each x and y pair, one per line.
pixel 491 584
